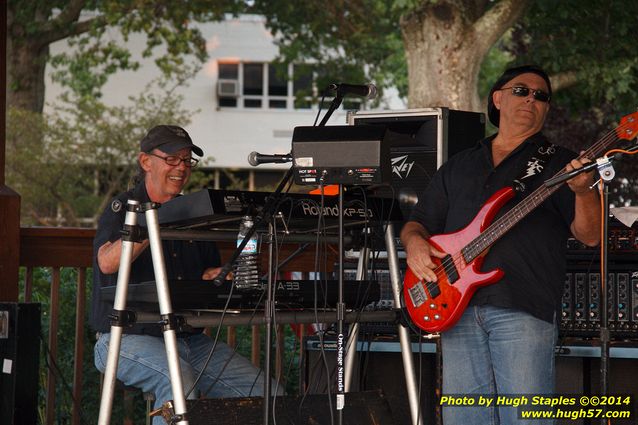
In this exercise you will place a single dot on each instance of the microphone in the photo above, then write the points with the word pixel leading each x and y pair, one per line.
pixel 255 158
pixel 368 90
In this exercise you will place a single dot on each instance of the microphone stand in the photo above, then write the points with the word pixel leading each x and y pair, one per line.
pixel 264 216
pixel 336 102
pixel 340 396
pixel 607 173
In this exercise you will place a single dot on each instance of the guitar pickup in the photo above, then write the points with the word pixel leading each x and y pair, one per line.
pixel 434 289
pixel 450 269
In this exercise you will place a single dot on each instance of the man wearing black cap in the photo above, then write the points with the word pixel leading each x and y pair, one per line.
pixel 504 341
pixel 165 161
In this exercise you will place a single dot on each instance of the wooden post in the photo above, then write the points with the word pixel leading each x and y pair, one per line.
pixel 9 200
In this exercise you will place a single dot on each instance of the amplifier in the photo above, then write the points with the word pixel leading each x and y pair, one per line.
pixel 340 154
pixel 420 140
pixel 360 408
pixel 19 357
pixel 622 244
pixel 581 302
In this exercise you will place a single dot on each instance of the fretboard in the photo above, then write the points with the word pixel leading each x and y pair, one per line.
pixel 626 130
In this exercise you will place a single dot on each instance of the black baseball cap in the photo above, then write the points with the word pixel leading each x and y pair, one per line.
pixel 492 111
pixel 169 139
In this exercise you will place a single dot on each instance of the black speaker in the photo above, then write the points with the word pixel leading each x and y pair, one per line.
pixel 581 376
pixel 364 408
pixel 379 366
pixel 420 141
pixel 19 355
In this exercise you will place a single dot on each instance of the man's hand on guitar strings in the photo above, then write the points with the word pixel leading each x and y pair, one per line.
pixel 419 258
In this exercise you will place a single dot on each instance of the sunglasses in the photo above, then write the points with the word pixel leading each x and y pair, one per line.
pixel 539 95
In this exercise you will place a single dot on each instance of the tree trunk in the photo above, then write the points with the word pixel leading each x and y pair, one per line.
pixel 445 43
pixel 26 62
pixel 27 54
pixel 30 30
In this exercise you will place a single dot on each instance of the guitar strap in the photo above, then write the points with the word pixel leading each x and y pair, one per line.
pixel 535 165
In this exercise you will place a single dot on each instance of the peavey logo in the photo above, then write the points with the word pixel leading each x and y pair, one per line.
pixel 401 166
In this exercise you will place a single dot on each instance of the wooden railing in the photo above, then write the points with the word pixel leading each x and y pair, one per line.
pixel 59 248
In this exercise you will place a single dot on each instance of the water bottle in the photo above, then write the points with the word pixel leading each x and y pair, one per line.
pixel 246 271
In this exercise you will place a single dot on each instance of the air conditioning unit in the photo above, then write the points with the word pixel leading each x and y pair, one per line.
pixel 228 88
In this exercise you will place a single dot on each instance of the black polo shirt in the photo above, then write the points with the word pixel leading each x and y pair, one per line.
pixel 184 260
pixel 532 253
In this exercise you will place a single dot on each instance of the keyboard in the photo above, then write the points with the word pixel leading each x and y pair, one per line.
pixel 288 294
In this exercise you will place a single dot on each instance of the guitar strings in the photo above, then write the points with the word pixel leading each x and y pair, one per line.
pixel 456 258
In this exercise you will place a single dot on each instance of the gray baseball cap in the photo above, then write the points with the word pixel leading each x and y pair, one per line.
pixel 169 139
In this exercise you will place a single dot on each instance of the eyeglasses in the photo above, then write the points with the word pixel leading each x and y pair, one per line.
pixel 174 160
pixel 539 95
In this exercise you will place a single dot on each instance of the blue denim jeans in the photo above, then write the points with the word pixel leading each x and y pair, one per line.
pixel 496 351
pixel 142 364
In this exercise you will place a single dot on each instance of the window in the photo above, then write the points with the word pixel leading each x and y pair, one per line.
pixel 302 86
pixel 228 72
pixel 253 85
pixel 277 86
pixel 259 85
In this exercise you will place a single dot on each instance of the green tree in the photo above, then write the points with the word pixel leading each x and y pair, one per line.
pixel 33 25
pixel 448 53
pixel 435 51
pixel 431 50
pixel 69 163
pixel 592 47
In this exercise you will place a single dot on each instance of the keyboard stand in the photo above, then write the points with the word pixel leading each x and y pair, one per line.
pixel 404 335
pixel 121 317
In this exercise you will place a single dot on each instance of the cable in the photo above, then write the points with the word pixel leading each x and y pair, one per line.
pixel 323 97
pixel 51 364
pixel 316 278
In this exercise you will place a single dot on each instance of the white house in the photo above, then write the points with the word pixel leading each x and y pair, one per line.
pixel 242 104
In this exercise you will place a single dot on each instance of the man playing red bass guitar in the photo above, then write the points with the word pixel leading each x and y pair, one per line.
pixel 503 342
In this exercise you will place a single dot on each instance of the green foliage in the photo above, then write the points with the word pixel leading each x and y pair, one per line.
pixel 87 71
pixel 596 42
pixel 353 41
pixel 200 178
pixel 169 27
pixel 67 164
pixel 290 361
pixel 593 39
pixel 62 366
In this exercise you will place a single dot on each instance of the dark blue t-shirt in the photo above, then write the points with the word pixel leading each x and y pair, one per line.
pixel 184 260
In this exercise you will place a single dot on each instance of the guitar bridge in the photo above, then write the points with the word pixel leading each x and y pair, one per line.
pixel 417 293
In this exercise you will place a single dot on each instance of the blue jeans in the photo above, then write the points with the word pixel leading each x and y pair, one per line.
pixel 496 351
pixel 142 364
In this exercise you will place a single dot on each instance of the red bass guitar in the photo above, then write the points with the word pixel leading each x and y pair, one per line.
pixel 437 306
